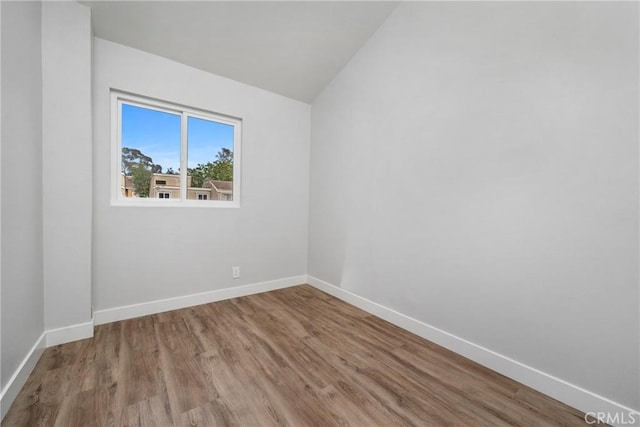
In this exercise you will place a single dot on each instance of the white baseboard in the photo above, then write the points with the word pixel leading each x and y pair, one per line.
pixel 19 377
pixel 69 333
pixel 136 310
pixel 570 394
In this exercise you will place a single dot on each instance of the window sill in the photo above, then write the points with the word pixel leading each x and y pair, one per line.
pixel 163 203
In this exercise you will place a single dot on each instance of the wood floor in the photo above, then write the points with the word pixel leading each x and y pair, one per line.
pixel 295 357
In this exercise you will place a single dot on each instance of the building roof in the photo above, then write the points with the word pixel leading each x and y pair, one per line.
pixel 224 187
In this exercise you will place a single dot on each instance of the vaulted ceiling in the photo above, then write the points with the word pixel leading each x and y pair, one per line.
pixel 293 48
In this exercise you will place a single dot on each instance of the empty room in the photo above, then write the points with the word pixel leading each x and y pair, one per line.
pixel 319 213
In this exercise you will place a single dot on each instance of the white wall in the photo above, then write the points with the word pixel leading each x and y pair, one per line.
pixel 22 284
pixel 67 162
pixel 475 167
pixel 146 254
pixel 1 354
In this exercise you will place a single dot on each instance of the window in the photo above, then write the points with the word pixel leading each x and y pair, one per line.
pixel 159 146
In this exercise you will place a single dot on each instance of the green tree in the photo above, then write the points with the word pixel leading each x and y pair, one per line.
pixel 141 177
pixel 197 174
pixel 132 157
pixel 140 167
pixel 223 166
pixel 220 169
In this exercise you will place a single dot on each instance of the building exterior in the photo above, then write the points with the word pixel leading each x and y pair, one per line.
pixel 126 186
pixel 167 186
pixel 220 190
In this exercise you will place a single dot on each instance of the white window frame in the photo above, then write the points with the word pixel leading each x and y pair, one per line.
pixel 117 99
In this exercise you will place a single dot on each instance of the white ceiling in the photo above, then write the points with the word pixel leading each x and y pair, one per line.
pixel 293 48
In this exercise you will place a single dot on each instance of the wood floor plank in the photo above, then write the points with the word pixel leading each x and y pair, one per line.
pixel 292 357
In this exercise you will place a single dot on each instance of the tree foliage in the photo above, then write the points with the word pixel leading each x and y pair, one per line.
pixel 141 177
pixel 140 168
pixel 132 158
pixel 221 169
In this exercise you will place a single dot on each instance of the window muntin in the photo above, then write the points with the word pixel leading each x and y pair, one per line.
pixel 193 153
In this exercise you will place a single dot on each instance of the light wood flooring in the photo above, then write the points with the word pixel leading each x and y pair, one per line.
pixel 294 357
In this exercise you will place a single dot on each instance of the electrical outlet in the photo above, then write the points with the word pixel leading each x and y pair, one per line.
pixel 235 272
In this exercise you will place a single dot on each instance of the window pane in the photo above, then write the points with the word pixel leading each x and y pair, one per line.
pixel 150 154
pixel 210 160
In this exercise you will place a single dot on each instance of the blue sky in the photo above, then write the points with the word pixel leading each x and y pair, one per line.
pixel 157 135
